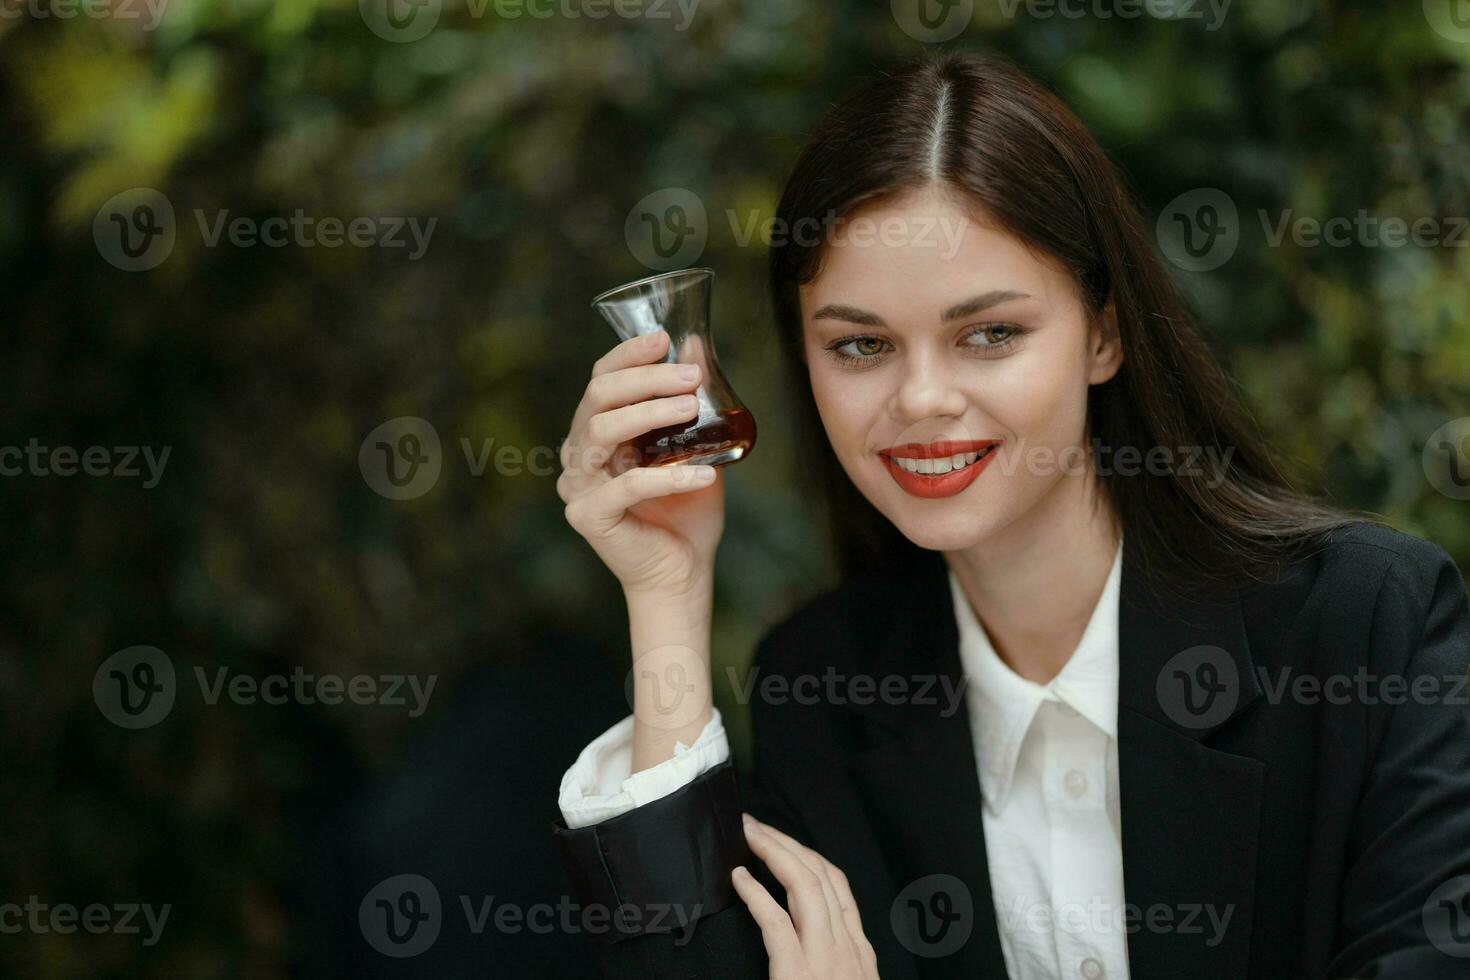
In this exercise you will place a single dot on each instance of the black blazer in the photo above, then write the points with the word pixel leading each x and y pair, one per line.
pixel 1332 826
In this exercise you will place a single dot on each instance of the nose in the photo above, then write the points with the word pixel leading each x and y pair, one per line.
pixel 926 388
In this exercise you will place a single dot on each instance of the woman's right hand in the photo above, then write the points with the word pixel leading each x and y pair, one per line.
pixel 655 527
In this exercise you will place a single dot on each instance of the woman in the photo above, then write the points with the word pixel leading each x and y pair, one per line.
pixel 1099 695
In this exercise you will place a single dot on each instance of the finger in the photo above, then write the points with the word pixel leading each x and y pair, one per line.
pixel 605 431
pixel 851 917
pixel 820 866
pixel 630 385
pixel 633 352
pixel 783 948
pixel 598 512
pixel 805 891
pixel 636 350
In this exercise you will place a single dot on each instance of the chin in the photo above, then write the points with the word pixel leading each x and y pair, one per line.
pixel 955 532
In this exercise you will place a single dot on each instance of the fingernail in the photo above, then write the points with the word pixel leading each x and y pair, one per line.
pixel 740 872
pixel 688 372
pixel 650 339
pixel 747 818
pixel 687 402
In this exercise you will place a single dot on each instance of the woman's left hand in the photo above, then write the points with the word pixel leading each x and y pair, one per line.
pixel 826 941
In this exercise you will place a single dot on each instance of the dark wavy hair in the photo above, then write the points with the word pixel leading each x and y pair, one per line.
pixel 983 127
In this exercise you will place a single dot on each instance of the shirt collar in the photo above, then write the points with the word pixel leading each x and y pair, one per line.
pixel 1003 703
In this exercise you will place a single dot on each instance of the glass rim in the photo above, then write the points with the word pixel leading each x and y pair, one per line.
pixel 602 296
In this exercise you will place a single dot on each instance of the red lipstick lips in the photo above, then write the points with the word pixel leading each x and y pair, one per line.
pixel 931 485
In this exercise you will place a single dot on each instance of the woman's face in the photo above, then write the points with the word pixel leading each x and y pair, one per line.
pixel 957 332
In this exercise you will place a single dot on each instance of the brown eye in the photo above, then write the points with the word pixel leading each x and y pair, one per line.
pixel 995 337
pixel 866 350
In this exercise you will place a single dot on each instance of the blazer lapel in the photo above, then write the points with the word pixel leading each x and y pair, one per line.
pixel 920 785
pixel 1190 812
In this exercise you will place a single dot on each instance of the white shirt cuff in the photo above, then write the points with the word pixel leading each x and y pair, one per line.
pixel 599 785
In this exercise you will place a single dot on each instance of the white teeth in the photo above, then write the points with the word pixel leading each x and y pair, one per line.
pixel 936 467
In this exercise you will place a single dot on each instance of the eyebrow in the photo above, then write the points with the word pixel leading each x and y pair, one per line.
pixel 851 314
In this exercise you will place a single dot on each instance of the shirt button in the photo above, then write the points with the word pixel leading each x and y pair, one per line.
pixel 1092 969
pixel 1076 783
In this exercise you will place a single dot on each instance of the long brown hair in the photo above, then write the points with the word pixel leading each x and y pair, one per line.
pixel 982 126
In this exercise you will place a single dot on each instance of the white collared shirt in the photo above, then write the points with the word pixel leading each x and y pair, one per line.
pixel 1048 763
pixel 1047 757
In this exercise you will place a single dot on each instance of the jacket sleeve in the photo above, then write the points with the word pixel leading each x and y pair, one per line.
pixel 1405 912
pixel 651 886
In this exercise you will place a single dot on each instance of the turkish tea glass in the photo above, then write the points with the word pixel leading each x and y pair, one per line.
pixel 678 303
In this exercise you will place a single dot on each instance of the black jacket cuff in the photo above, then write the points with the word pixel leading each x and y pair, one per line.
pixel 661 866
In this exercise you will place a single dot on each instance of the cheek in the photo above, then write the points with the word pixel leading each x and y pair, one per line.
pixel 1044 398
pixel 843 408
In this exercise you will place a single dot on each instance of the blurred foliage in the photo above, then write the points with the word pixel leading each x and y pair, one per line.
pixel 529 139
